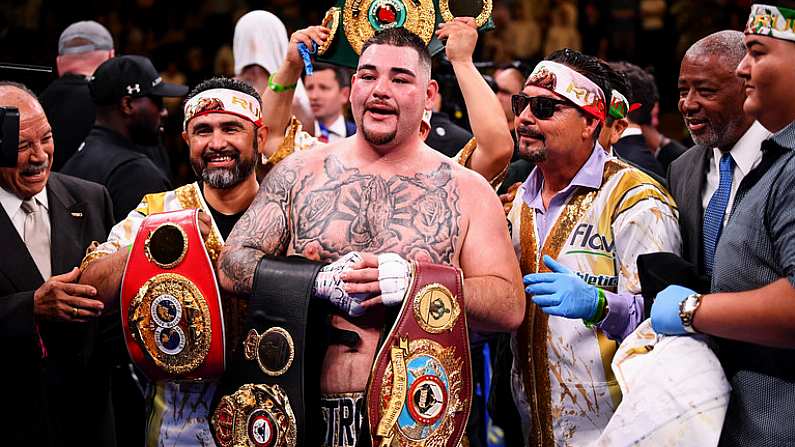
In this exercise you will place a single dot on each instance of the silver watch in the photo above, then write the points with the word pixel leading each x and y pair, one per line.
pixel 687 311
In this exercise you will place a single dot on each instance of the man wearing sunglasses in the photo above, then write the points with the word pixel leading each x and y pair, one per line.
pixel 578 224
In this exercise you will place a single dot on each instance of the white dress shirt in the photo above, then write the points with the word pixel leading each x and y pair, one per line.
pixel 336 131
pixel 746 153
pixel 13 208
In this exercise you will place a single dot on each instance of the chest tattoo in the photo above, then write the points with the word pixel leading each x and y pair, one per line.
pixel 344 210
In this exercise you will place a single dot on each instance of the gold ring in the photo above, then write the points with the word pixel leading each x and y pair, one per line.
pixel 74 312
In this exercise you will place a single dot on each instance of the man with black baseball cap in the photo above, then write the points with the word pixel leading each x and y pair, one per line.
pixel 128 94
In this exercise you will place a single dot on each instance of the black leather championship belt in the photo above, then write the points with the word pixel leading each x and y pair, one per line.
pixel 264 393
pixel 170 305
pixel 420 390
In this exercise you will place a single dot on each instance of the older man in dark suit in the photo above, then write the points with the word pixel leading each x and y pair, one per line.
pixel 55 384
pixel 704 180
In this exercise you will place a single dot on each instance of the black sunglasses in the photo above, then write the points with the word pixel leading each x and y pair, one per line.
pixel 542 107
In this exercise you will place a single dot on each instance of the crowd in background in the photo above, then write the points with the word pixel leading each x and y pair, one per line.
pixel 191 41
pixel 658 56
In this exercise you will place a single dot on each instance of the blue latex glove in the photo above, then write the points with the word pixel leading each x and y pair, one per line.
pixel 562 292
pixel 665 310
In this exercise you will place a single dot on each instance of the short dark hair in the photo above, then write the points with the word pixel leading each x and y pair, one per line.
pixel 223 82
pixel 341 74
pixel 401 37
pixel 589 66
pixel 644 91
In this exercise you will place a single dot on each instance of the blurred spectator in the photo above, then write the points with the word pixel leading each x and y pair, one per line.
pixel 632 145
pixel 82 47
pixel 621 28
pixel 526 33
pixel 259 45
pixel 329 91
pixel 128 93
pixel 665 149
pixel 563 31
pixel 172 75
pixel 591 23
pixel 444 135
pixel 224 64
pixel 195 65
pixel 509 80
pixel 498 44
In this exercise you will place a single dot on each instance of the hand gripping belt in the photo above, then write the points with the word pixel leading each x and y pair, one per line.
pixel 170 304
pixel 262 398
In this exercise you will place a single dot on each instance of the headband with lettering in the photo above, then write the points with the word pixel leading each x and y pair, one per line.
pixel 571 85
pixel 772 21
pixel 223 100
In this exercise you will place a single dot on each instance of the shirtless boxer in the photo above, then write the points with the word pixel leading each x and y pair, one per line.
pixel 383 191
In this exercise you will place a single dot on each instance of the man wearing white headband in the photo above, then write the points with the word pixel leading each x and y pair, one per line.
pixel 578 224
pixel 371 203
pixel 751 310
pixel 223 130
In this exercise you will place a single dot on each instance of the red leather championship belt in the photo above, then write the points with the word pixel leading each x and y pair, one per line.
pixel 170 304
pixel 420 391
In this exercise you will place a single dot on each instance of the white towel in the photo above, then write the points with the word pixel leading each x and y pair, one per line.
pixel 261 39
pixel 673 395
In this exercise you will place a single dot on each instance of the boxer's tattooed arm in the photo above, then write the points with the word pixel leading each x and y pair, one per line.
pixel 415 216
pixel 262 230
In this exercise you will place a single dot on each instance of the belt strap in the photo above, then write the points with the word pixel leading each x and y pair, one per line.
pixel 271 365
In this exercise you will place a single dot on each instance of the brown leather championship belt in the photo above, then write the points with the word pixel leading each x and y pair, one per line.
pixel 170 305
pixel 420 390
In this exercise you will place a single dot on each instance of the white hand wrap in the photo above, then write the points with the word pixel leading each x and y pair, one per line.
pixel 329 286
pixel 394 276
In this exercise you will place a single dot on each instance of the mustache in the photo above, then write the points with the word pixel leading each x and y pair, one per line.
pixel 380 104
pixel 35 168
pixel 524 131
pixel 206 155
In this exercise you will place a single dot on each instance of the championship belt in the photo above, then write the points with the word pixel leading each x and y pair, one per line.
pixel 170 305
pixel 264 392
pixel 353 22
pixel 420 390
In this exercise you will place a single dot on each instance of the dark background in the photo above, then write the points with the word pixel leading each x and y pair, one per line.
pixel 191 40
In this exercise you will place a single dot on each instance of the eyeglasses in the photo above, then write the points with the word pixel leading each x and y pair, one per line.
pixel 542 107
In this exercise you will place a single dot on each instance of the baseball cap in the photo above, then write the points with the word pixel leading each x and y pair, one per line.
pixel 92 35
pixel 130 76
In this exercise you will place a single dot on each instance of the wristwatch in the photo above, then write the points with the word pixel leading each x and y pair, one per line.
pixel 687 311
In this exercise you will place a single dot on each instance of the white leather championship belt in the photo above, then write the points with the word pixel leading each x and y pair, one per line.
pixel 170 303
pixel 420 390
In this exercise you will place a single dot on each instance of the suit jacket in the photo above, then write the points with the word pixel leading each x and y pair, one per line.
pixel 633 148
pixel 687 178
pixel 64 398
pixel 670 152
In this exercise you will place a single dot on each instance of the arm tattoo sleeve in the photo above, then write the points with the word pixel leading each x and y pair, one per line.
pixel 262 230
